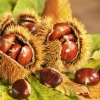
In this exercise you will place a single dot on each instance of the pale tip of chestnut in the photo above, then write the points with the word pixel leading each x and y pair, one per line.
pixel 87 76
pixel 21 89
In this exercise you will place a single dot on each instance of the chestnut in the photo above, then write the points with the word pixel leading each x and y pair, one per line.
pixel 87 76
pixel 14 50
pixel 29 25
pixel 6 41
pixel 68 37
pixel 59 30
pixel 69 47
pixel 25 55
pixel 69 50
pixel 50 77
pixel 21 89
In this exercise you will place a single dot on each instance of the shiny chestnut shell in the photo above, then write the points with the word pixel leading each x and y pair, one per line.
pixel 69 45
pixel 14 50
pixel 6 41
pixel 69 51
pixel 21 89
pixel 59 30
pixel 51 77
pixel 87 76
pixel 29 25
pixel 68 37
pixel 25 55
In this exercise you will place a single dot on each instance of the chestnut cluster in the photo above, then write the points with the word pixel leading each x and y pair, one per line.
pixel 66 36
pixel 18 42
pixel 87 76
pixel 48 76
pixel 27 40
pixel 27 18
pixel 10 45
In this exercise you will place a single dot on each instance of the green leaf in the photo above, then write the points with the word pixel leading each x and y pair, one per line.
pixel 66 89
pixel 12 3
pixel 41 5
pixel 96 55
pixel 64 10
pixel 6 96
pixel 38 92
pixel 69 74
pixel 37 5
pixel 41 92
pixel 3 86
pixel 95 42
pixel 5 6
pixel 73 98
pixel 95 64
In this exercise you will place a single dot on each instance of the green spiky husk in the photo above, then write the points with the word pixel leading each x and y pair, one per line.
pixel 84 44
pixel 35 44
pixel 5 20
pixel 52 55
pixel 44 28
pixel 83 41
pixel 28 15
pixel 10 70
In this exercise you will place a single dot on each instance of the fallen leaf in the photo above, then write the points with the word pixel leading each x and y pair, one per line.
pixel 57 9
pixel 95 64
pixel 6 96
pixel 42 92
pixel 94 90
pixel 3 86
pixel 86 98
pixel 37 5
pixel 95 42
pixel 96 55
pixel 5 6
pixel 68 87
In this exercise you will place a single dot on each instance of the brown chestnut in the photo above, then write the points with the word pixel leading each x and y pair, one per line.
pixel 30 25
pixel 59 30
pixel 68 37
pixel 25 55
pixel 14 50
pixel 6 41
pixel 87 76
pixel 69 50
pixel 21 89
pixel 51 77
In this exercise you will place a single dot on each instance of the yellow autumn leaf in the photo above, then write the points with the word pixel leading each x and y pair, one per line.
pixel 57 9
pixel 68 87
pixel 6 96
pixel 96 55
pixel 94 90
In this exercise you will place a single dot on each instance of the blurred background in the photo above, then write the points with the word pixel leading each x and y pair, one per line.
pixel 88 11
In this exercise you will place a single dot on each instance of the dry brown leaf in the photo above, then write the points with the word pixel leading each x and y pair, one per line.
pixel 94 91
pixel 83 92
pixel 84 98
pixel 57 9
pixel 78 88
pixel 86 92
